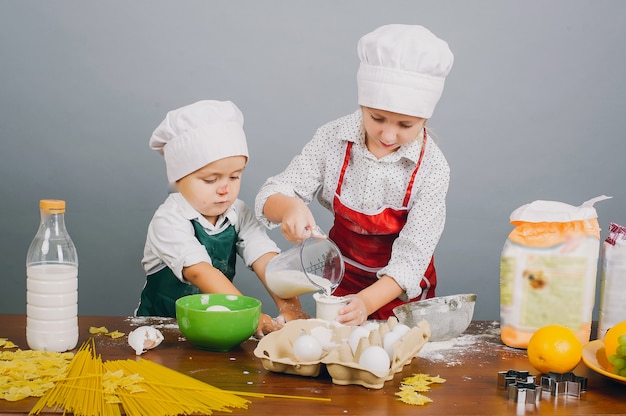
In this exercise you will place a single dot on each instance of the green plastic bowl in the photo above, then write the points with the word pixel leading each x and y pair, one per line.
pixel 217 330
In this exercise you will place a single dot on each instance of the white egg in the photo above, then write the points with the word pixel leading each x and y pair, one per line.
pixel 144 338
pixel 375 359
pixel 356 334
pixel 217 308
pixel 307 348
pixel 389 339
pixel 324 336
pixel 401 329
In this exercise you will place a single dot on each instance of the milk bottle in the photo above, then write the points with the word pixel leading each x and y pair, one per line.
pixel 52 283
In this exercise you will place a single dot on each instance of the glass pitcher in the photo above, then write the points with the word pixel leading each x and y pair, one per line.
pixel 312 265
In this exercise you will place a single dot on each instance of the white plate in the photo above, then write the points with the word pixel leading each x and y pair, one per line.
pixel 595 358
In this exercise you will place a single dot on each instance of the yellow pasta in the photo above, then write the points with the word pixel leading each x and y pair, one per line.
pixel 180 395
pixel 80 392
pixel 410 388
pixel 142 387
pixel 27 373
pixel 5 343
pixel 103 330
pixel 98 330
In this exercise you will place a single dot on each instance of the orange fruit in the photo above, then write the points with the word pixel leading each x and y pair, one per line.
pixel 610 338
pixel 554 348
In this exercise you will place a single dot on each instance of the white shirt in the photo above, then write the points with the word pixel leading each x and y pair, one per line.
pixel 370 185
pixel 171 241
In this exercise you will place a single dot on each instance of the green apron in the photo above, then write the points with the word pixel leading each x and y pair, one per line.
pixel 163 288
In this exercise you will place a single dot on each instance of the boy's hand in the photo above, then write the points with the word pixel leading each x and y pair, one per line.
pixel 291 312
pixel 267 325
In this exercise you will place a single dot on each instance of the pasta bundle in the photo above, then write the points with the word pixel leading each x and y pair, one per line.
pixel 169 392
pixel 138 388
pixel 82 391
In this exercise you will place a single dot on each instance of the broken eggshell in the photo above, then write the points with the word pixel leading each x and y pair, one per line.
pixel 144 338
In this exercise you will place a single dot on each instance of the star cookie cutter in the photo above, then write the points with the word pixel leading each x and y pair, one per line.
pixel 524 393
pixel 560 384
pixel 506 378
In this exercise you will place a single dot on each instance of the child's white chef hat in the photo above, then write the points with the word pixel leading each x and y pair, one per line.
pixel 195 135
pixel 403 69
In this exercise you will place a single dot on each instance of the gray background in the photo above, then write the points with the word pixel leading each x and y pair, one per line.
pixel 533 109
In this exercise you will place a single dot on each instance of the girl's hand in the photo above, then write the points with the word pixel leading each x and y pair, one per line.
pixel 369 300
pixel 296 219
pixel 298 223
pixel 268 325
pixel 354 313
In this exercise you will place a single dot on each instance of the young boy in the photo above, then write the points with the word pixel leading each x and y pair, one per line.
pixel 195 235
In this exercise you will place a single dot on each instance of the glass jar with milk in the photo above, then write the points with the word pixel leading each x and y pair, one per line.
pixel 52 283
pixel 314 264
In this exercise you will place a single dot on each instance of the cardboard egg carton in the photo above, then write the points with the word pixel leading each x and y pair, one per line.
pixel 275 350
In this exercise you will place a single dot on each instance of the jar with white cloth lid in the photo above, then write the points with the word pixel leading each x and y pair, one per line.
pixel 548 270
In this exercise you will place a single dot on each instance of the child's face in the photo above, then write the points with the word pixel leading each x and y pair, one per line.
pixel 385 131
pixel 211 190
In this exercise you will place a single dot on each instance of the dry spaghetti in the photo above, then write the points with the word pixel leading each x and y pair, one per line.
pixel 169 392
pixel 142 387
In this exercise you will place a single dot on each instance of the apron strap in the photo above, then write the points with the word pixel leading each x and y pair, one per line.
pixel 346 161
pixel 407 196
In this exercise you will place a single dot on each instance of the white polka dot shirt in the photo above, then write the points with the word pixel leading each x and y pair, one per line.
pixel 370 185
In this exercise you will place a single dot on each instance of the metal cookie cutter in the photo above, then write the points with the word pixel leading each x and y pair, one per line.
pixel 521 387
pixel 525 393
pixel 506 378
pixel 560 384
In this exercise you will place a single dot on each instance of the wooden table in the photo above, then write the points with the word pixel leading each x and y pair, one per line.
pixel 470 368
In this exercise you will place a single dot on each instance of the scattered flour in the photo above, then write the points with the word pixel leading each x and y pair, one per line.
pixel 452 352
pixel 155 321
pixel 449 351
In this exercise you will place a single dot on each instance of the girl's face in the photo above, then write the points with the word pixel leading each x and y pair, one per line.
pixel 211 190
pixel 385 131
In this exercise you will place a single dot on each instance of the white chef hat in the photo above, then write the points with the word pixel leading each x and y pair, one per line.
pixel 195 135
pixel 403 69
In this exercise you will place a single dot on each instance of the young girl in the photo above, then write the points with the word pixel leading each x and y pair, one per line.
pixel 195 235
pixel 379 172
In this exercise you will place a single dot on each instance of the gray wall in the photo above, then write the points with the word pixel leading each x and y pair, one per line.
pixel 533 109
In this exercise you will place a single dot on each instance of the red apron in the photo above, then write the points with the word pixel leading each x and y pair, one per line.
pixel 365 241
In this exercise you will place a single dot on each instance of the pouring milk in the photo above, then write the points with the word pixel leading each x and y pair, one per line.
pixel 314 264
pixel 290 283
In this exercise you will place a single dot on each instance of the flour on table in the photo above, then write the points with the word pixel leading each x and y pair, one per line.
pixel 154 321
pixel 452 352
